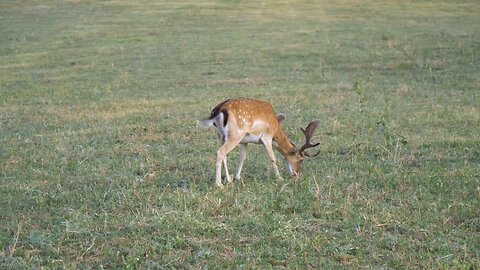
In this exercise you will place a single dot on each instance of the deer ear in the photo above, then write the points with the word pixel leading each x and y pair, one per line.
pixel 280 118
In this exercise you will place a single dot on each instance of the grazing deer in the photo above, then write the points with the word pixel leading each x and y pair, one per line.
pixel 243 121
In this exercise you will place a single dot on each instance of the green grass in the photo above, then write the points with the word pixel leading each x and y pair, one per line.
pixel 102 166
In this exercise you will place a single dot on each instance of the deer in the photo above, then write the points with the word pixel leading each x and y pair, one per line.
pixel 242 121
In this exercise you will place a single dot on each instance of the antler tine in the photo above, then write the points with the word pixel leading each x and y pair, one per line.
pixel 308 132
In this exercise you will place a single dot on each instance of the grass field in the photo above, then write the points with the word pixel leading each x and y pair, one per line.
pixel 102 165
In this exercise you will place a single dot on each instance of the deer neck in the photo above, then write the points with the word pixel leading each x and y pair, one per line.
pixel 283 144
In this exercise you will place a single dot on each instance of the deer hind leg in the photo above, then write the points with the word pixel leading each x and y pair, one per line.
pixel 225 166
pixel 227 174
pixel 228 146
pixel 243 156
pixel 271 156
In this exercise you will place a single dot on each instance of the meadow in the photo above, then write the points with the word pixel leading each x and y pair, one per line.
pixel 102 164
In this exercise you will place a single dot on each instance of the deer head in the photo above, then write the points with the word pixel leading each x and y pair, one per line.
pixel 295 158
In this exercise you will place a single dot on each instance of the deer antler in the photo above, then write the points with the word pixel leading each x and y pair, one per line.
pixel 308 132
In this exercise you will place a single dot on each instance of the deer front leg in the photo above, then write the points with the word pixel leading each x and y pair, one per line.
pixel 271 156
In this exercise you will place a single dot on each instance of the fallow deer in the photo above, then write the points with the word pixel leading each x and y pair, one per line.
pixel 243 121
